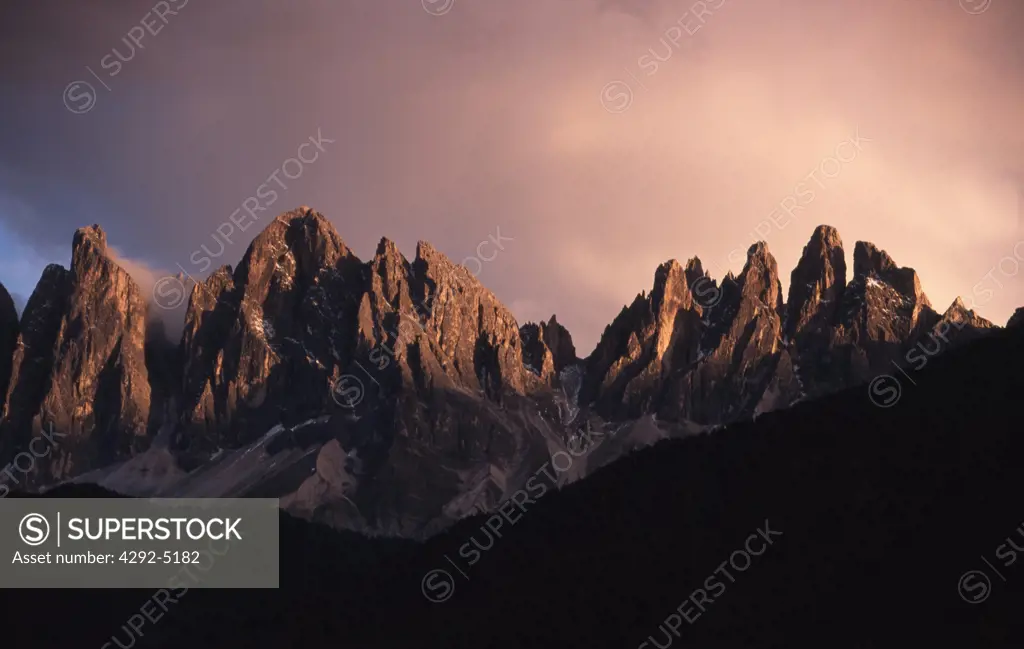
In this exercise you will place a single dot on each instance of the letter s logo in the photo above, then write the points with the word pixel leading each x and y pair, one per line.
pixel 437 586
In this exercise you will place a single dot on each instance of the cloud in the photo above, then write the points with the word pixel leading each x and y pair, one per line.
pixel 146 276
pixel 491 115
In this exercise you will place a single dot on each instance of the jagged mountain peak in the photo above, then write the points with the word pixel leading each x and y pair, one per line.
pixel 559 339
pixel 959 313
pixel 760 277
pixel 671 289
pixel 672 265
pixel 434 269
pixel 650 339
pixel 828 236
pixel 758 251
pixel 262 343
pixel 957 324
pixel 90 235
pixel 426 251
pixel 695 273
pixel 547 349
pixel 222 274
pixel 89 248
pixel 206 293
pixel 303 226
pixel 391 275
pixel 302 212
pixel 302 230
pixel 868 258
pixel 870 262
pixel 1017 319
pixel 388 248
pixel 817 283
pixel 430 261
pixel 80 362
pixel 91 264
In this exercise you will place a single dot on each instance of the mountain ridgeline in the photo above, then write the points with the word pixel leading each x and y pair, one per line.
pixel 397 395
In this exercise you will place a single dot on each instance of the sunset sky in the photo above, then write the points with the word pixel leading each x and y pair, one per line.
pixel 599 138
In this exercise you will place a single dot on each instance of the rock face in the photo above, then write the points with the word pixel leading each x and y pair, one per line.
pixel 262 344
pixel 547 349
pixel 419 367
pixel 753 353
pixel 441 394
pixel 738 348
pixel 644 345
pixel 816 286
pixel 8 338
pixel 960 323
pixel 396 395
pixel 80 366
pixel 33 358
pixel 882 312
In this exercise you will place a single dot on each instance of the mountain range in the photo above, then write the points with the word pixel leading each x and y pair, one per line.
pixel 831 523
pixel 396 396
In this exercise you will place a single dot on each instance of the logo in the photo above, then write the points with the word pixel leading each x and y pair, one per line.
pixel 705 293
pixel 168 292
pixel 974 587
pixel 34 529
pixel 438 580
pixel 437 7
pixel 975 7
pixel 79 97
pixel 885 391
pixel 616 96
pixel 347 391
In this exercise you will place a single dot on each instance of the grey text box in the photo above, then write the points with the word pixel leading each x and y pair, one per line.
pixel 139 543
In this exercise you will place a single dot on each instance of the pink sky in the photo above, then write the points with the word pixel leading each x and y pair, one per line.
pixel 490 117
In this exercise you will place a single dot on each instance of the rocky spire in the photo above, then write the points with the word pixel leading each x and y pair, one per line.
pixel 738 350
pixel 960 314
pixel 80 365
pixel 816 284
pixel 262 343
pixel 694 271
pixel 559 341
pixel 547 349
pixel 33 358
pixel 870 262
pixel 8 337
pixel 868 259
pixel 760 278
pixel 959 324
pixel 658 333
pixel 441 362
pixel 476 336
pixel 883 311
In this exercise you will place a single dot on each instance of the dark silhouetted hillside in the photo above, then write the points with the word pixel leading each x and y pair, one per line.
pixel 881 511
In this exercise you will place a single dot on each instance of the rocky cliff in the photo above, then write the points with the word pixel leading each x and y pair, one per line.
pixel 398 395
pixel 79 365
pixel 262 343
